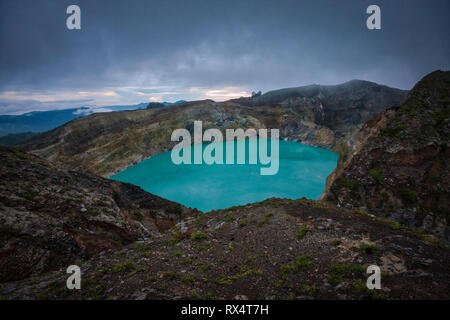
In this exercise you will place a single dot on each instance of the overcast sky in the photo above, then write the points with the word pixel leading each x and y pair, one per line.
pixel 164 50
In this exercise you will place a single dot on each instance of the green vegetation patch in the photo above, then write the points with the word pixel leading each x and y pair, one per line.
pixel 168 275
pixel 311 203
pixel 368 248
pixel 250 259
pixel 175 239
pixel 269 202
pixel 341 272
pixel 376 174
pixel 188 279
pixel 243 223
pixel 200 219
pixel 126 266
pixel 141 246
pixel 352 185
pixel 396 225
pixel 301 263
pixel 245 273
pixel 230 218
pixel 198 235
pixel 265 220
pixel 203 246
pixel 205 267
pixel 302 231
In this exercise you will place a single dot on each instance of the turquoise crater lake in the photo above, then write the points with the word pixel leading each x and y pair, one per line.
pixel 302 173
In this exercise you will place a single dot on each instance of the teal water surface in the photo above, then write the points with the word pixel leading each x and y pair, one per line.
pixel 302 173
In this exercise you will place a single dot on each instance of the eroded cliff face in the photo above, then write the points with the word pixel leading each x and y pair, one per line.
pixel 398 164
pixel 51 217
pixel 321 116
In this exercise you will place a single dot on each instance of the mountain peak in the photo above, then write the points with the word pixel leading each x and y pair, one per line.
pixel 399 166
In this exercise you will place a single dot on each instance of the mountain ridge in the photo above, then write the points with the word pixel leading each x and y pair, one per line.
pixel 108 143
pixel 398 165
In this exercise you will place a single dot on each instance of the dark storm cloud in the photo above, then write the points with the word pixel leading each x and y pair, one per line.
pixel 132 49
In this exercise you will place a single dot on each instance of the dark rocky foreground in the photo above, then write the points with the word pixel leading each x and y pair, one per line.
pixel 276 249
pixel 133 245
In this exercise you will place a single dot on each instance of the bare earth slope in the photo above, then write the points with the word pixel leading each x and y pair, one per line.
pixel 107 143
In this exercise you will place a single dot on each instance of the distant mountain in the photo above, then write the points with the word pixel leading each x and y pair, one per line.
pixel 36 121
pixel 41 121
pixel 172 103
pixel 14 138
pixel 154 105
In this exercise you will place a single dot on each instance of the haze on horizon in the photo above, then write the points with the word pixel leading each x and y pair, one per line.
pixel 129 52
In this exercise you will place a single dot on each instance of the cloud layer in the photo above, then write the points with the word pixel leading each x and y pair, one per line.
pixel 135 51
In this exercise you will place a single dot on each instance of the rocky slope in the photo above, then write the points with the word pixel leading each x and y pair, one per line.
pixel 398 165
pixel 276 249
pixel 342 108
pixel 107 143
pixel 50 217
